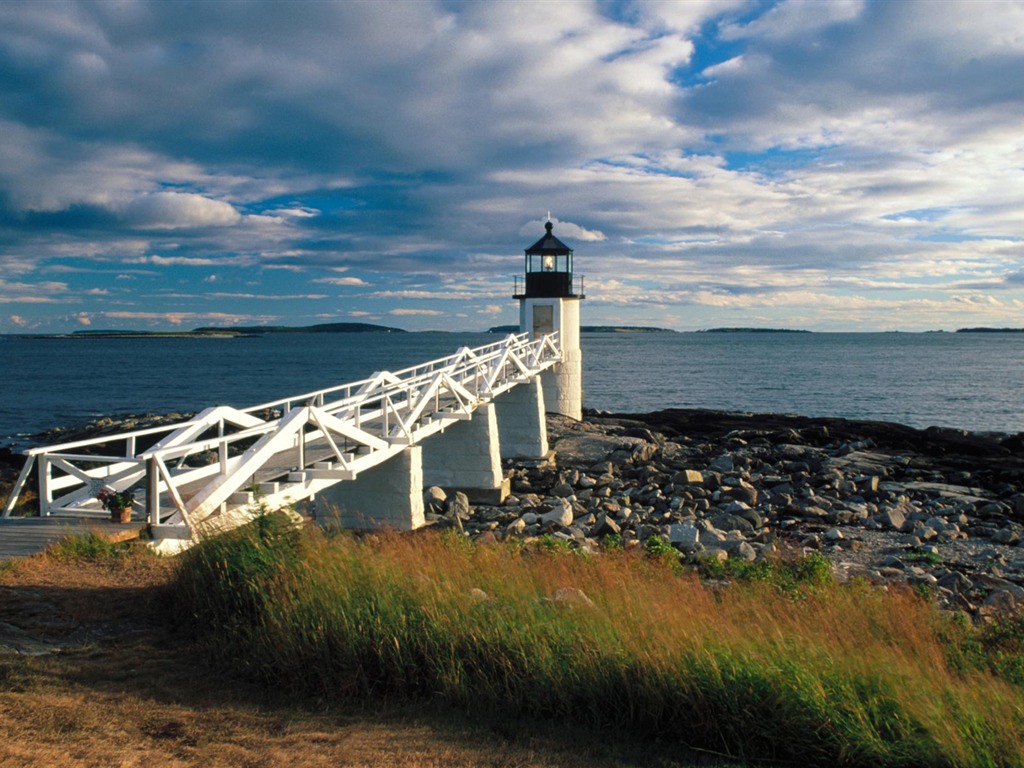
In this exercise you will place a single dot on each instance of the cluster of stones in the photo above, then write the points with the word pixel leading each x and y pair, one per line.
pixel 876 514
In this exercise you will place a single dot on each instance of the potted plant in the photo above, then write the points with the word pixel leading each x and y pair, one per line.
pixel 118 504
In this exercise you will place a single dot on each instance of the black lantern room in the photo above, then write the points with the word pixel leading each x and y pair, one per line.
pixel 548 269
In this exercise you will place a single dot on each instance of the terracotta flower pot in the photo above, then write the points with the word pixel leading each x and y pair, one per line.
pixel 121 515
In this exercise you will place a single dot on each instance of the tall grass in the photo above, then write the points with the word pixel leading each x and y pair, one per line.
pixel 842 675
pixel 87 546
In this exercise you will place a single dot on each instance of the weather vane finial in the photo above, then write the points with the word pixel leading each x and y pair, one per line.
pixel 549 215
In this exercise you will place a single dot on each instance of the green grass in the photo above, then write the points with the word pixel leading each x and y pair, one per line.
pixel 930 558
pixel 781 665
pixel 788 573
pixel 88 546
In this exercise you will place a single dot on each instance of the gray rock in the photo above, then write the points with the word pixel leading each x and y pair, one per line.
pixel 742 551
pixel 571 597
pixel 688 477
pixel 561 515
pixel 1006 536
pixel 744 492
pixel 14 640
pixel 892 518
pixel 956 582
pixel 643 452
pixel 722 464
pixel 433 500
pixel 715 553
pixel 728 522
pixel 685 536
pixel 457 506
pixel 812 511
pixel 562 490
pixel 605 526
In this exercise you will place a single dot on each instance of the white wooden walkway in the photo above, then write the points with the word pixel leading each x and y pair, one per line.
pixel 214 471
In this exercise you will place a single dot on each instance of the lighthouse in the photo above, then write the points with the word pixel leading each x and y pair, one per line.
pixel 549 302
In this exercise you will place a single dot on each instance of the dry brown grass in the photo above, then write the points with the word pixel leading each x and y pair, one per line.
pixel 823 674
pixel 126 692
pixel 27 500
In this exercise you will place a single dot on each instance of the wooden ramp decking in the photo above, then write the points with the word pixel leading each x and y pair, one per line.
pixel 25 536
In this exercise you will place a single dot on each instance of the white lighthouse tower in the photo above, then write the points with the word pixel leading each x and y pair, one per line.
pixel 548 302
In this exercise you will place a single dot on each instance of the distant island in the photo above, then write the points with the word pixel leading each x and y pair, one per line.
pixel 592 329
pixel 990 330
pixel 753 330
pixel 233 331
pixel 320 328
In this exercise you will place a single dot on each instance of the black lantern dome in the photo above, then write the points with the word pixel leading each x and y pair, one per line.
pixel 548 269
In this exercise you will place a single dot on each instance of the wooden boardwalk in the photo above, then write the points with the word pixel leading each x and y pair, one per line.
pixel 25 536
pixel 218 469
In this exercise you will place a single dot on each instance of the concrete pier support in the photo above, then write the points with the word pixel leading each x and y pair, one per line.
pixel 522 428
pixel 388 496
pixel 466 457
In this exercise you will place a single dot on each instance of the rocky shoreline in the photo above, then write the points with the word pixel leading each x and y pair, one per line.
pixel 940 509
pixel 937 509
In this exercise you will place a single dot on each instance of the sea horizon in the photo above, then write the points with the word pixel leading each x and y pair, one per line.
pixel 963 381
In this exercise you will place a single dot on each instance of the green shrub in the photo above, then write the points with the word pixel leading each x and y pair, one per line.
pixel 553 545
pixel 787 572
pixel 930 558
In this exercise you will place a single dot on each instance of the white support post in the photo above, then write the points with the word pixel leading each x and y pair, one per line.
pixel 466 457
pixel 18 486
pixel 522 425
pixel 152 491
pixel 45 492
pixel 389 495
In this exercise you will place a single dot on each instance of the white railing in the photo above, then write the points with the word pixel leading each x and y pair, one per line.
pixel 303 444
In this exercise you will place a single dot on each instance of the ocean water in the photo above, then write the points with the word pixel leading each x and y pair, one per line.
pixel 969 381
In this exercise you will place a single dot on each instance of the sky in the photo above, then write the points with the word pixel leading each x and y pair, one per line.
pixel 835 166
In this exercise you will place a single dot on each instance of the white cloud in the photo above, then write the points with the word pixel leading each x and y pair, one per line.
pixel 186 261
pixel 416 312
pixel 722 155
pixel 175 210
pixel 32 293
pixel 340 281
pixel 797 19
pixel 564 229
pixel 269 296
pixel 181 318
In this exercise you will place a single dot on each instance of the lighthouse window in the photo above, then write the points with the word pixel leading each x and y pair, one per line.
pixel 543 318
